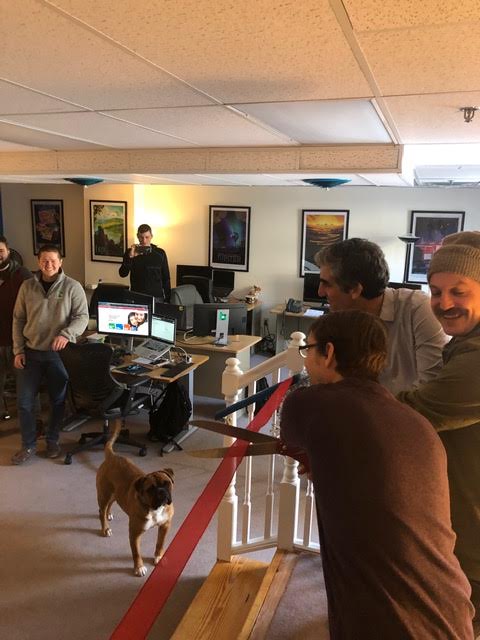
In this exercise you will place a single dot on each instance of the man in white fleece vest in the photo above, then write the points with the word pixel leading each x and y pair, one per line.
pixel 51 310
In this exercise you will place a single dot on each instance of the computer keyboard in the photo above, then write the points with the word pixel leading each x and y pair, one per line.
pixel 171 372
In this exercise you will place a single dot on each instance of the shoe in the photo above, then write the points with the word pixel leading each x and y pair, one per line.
pixel 23 455
pixel 5 416
pixel 53 450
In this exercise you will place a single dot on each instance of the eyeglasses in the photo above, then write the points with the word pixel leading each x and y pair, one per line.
pixel 303 349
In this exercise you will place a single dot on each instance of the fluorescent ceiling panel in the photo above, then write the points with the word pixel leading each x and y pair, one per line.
pixel 326 122
pixel 205 126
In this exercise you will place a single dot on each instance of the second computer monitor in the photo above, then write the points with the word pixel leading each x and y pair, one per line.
pixel 163 329
pixel 205 318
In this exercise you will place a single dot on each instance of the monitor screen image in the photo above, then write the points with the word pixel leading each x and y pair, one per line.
pixel 163 329
pixel 205 318
pixel 124 319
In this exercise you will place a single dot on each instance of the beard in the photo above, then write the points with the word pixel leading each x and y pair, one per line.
pixel 4 263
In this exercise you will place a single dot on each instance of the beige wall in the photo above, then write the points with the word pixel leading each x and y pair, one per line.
pixel 179 219
pixel 17 222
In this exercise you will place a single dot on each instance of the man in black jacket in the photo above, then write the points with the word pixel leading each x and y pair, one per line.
pixel 147 265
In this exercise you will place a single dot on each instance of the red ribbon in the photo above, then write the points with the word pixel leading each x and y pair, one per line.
pixel 144 610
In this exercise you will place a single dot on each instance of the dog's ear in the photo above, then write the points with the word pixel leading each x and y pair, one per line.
pixel 170 474
pixel 139 484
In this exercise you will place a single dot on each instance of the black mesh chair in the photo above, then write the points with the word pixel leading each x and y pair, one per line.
pixel 95 392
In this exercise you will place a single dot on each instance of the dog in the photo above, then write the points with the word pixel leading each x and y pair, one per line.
pixel 145 498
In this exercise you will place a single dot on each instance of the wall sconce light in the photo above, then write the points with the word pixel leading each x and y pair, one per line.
pixel 468 113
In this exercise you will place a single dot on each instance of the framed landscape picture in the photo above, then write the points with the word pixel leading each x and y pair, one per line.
pixel 229 237
pixel 108 230
pixel 430 227
pixel 47 224
pixel 320 227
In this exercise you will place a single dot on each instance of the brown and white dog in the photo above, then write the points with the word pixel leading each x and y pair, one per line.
pixel 145 498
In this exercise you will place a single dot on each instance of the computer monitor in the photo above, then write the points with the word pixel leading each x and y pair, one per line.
pixel 223 282
pixel 163 329
pixel 192 270
pixel 311 282
pixel 112 291
pixel 205 318
pixel 135 297
pixel 123 319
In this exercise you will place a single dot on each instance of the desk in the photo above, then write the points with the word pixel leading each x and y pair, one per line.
pixel 183 377
pixel 210 381
pixel 287 323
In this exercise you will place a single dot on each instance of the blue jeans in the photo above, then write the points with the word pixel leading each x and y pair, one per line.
pixel 40 365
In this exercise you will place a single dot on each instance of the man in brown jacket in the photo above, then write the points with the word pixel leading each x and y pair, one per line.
pixel 451 401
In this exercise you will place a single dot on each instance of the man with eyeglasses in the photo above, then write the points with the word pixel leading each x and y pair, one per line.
pixel 379 472
pixel 354 275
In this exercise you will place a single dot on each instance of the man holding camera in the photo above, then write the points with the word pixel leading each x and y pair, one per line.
pixel 147 265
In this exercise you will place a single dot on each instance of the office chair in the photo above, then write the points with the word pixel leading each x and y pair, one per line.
pixel 94 392
pixel 186 295
pixel 203 285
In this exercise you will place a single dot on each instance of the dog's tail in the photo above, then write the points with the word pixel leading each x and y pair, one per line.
pixel 111 441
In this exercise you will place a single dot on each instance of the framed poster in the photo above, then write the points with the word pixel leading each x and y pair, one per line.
pixel 47 224
pixel 108 230
pixel 430 227
pixel 320 227
pixel 229 238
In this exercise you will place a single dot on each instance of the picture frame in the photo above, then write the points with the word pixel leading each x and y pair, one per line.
pixel 108 230
pixel 430 227
pixel 320 228
pixel 229 237
pixel 47 224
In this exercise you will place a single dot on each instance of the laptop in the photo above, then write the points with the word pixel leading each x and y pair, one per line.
pixel 162 339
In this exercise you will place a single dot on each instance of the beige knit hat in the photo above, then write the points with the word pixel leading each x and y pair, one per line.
pixel 459 253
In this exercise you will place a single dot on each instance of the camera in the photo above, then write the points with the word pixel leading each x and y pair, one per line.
pixel 141 249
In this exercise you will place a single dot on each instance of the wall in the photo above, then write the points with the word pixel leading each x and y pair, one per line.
pixel 179 219
pixel 17 222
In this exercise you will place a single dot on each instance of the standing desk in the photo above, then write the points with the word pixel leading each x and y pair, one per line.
pixel 209 381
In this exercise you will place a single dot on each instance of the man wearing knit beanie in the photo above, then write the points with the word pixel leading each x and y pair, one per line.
pixel 452 400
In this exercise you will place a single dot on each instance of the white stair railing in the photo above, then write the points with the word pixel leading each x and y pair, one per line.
pixel 282 531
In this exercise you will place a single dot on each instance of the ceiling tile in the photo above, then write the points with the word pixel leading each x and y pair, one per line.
pixel 97 128
pixel 370 15
pixel 325 122
pixel 248 51
pixel 15 100
pixel 435 118
pixel 29 137
pixel 205 126
pixel 63 59
pixel 424 60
